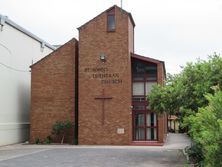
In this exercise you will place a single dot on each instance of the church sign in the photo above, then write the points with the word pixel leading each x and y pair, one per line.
pixel 104 75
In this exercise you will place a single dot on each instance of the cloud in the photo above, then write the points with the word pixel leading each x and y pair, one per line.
pixel 176 31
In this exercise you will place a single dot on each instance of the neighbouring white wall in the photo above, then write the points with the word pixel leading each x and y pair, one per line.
pixel 17 52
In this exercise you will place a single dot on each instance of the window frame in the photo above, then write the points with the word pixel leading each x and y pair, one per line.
pixel 144 78
pixel 111 13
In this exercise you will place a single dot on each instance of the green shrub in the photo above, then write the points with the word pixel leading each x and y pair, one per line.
pixel 195 154
pixel 48 140
pixel 206 131
pixel 37 141
pixel 61 129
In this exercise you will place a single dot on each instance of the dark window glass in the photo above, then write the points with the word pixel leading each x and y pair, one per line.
pixel 151 77
pixel 138 107
pixel 151 133
pixel 111 23
pixel 138 78
pixel 144 68
pixel 140 134
pixel 139 118
pixel 151 119
pixel 138 99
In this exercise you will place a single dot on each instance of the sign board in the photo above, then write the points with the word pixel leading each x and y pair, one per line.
pixel 120 130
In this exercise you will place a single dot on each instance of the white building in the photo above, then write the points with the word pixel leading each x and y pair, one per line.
pixel 18 50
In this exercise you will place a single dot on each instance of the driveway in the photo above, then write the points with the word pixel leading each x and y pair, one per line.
pixel 96 156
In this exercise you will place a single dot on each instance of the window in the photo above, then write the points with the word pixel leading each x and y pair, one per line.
pixel 138 78
pixel 139 119
pixel 138 88
pixel 151 119
pixel 140 68
pixel 111 22
pixel 140 134
pixel 138 99
pixel 149 86
pixel 144 77
pixel 151 134
pixel 138 107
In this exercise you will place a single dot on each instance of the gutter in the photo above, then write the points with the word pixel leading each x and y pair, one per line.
pixel 5 20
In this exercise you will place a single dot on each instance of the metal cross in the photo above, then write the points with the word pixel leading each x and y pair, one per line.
pixel 103 98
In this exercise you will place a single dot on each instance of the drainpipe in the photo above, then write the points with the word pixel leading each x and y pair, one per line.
pixel 76 113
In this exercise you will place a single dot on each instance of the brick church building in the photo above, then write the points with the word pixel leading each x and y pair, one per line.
pixel 99 84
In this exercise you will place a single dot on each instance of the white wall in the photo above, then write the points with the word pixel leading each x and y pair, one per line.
pixel 17 51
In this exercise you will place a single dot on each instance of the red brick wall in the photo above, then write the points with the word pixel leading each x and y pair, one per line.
pixel 52 91
pixel 131 36
pixel 162 126
pixel 53 84
pixel 94 40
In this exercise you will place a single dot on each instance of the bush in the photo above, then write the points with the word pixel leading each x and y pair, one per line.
pixel 61 129
pixel 48 140
pixel 195 154
pixel 206 131
pixel 37 141
pixel 182 129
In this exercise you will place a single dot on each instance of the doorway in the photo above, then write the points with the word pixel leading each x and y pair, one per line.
pixel 144 126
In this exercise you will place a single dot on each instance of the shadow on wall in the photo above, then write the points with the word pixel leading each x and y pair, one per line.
pixel 23 110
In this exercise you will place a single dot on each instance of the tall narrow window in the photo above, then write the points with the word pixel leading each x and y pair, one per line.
pixel 111 22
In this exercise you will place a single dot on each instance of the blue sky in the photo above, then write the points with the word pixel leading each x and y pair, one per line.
pixel 175 31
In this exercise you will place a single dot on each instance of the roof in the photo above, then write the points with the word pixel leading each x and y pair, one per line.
pixel 114 6
pixel 52 53
pixel 148 59
pixel 57 46
pixel 5 19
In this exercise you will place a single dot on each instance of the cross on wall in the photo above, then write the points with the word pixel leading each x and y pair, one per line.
pixel 103 98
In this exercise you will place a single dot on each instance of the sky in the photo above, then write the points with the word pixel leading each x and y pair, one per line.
pixel 174 31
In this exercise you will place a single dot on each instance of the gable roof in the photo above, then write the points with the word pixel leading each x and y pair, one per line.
pixel 52 53
pixel 114 6
pixel 148 59
pixel 6 20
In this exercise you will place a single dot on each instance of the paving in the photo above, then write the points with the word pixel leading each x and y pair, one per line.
pixel 169 155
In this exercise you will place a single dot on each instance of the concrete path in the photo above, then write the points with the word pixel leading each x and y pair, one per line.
pixel 177 141
pixel 169 155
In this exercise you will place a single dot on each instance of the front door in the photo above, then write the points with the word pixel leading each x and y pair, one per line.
pixel 144 126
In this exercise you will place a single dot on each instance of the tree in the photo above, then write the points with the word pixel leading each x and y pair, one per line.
pixel 162 99
pixel 186 93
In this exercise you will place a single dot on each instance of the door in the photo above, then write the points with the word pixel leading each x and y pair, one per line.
pixel 144 126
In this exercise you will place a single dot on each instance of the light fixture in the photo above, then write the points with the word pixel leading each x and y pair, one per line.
pixel 102 57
